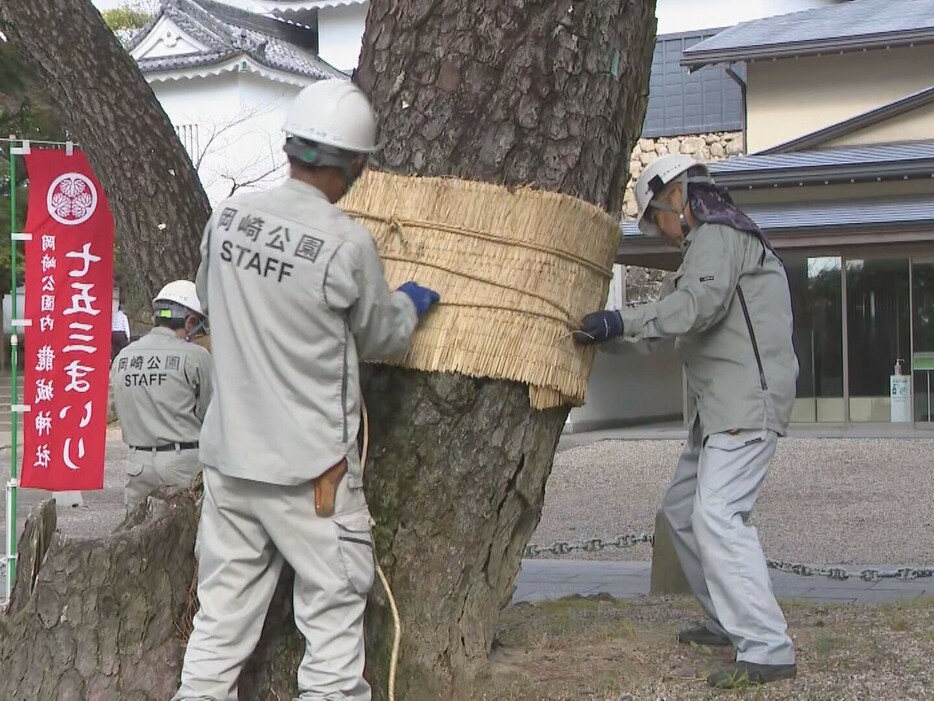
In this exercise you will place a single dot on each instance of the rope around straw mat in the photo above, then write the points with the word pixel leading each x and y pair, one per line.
pixel 398 224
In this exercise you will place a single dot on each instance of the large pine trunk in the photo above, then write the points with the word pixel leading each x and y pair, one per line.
pixel 548 94
pixel 157 200
pixel 516 92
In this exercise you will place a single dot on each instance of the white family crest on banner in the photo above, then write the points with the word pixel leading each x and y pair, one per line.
pixel 72 199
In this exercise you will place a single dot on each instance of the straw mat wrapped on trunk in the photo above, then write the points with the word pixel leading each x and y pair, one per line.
pixel 516 271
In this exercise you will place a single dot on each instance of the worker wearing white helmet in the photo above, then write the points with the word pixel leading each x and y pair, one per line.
pixel 297 297
pixel 728 308
pixel 162 386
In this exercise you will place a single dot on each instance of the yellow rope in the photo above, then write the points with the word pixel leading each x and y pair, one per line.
pixel 396 618
pixel 497 307
pixel 395 222
pixel 444 268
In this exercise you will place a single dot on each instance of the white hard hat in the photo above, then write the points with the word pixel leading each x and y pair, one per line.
pixel 654 178
pixel 182 293
pixel 333 113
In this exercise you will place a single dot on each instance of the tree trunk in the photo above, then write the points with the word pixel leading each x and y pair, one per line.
pixel 157 200
pixel 98 621
pixel 549 93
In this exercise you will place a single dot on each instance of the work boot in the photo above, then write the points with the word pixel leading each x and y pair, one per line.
pixel 741 674
pixel 702 635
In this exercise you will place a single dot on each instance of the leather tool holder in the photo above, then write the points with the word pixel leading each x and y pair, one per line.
pixel 326 489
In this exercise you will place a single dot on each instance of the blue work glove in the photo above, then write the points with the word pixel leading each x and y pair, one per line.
pixel 599 327
pixel 422 297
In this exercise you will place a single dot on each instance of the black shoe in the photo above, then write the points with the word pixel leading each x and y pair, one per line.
pixel 742 674
pixel 702 635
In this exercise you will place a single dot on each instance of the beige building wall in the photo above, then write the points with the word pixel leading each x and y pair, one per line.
pixel 628 388
pixel 792 97
pixel 912 126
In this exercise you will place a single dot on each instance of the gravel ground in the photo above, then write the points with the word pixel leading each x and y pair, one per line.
pixel 841 501
pixel 102 510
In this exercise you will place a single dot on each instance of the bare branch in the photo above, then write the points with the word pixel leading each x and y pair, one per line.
pixel 236 185
pixel 217 130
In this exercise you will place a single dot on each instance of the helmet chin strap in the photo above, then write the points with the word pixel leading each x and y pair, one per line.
pixel 198 329
pixel 682 217
pixel 683 220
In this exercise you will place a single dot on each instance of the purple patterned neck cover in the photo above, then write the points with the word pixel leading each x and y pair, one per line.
pixel 712 204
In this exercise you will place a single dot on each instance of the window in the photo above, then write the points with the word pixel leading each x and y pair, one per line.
pixel 188 135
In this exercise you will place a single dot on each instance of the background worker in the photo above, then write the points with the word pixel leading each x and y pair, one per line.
pixel 119 332
pixel 297 295
pixel 162 386
pixel 728 308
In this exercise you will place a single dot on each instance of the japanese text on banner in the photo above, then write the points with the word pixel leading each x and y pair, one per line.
pixel 69 291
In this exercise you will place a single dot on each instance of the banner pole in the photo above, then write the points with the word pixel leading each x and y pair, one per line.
pixel 13 484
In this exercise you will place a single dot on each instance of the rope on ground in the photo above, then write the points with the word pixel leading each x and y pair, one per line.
pixel 871 574
pixel 396 618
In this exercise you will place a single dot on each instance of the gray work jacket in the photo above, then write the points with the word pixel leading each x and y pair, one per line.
pixel 296 294
pixel 728 308
pixel 162 388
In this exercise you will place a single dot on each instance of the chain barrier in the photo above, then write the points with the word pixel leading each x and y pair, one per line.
pixel 563 547
pixel 593 545
pixel 841 574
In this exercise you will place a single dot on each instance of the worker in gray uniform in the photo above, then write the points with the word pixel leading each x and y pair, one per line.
pixel 162 387
pixel 297 297
pixel 728 308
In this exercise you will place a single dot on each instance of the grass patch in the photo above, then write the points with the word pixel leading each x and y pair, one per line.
pixel 826 644
pixel 604 650
pixel 549 624
pixel 900 624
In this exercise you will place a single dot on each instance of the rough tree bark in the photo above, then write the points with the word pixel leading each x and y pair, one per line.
pixel 549 93
pixel 98 620
pixel 158 203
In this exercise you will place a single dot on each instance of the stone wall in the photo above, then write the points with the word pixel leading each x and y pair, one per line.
pixel 643 284
pixel 703 147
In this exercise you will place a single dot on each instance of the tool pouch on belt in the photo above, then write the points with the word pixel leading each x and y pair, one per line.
pixel 326 488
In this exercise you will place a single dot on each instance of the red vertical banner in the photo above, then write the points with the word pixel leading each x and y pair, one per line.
pixel 68 301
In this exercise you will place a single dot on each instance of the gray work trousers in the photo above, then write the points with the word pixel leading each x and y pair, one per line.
pixel 707 505
pixel 248 530
pixel 147 470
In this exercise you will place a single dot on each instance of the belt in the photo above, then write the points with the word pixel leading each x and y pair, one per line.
pixel 167 446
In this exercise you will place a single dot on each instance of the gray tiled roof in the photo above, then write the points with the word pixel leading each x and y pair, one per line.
pixel 890 160
pixel 228 32
pixel 883 213
pixel 849 26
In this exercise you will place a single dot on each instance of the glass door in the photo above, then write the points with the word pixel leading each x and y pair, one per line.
pixel 879 338
pixel 922 290
pixel 817 303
